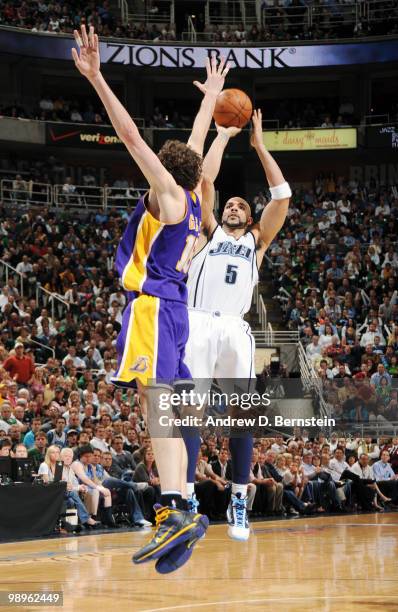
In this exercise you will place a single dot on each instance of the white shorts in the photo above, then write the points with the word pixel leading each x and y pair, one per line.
pixel 219 346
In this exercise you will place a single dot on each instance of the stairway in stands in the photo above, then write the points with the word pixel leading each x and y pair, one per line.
pixel 274 311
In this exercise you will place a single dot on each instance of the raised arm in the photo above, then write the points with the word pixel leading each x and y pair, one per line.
pixel 87 61
pixel 211 88
pixel 211 168
pixel 274 214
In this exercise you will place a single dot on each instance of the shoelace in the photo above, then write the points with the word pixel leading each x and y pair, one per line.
pixel 161 515
pixel 240 512
pixel 193 504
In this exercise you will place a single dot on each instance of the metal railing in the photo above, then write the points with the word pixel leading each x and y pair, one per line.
pixel 325 17
pixel 7 270
pixel 44 347
pixel 260 308
pixel 312 383
pixel 25 193
pixel 45 298
pixel 275 337
pixel 124 11
pixel 79 197
pixel 374 428
pixel 232 12
pixel 191 30
pixel 162 12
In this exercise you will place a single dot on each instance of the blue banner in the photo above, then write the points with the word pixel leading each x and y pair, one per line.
pixel 184 56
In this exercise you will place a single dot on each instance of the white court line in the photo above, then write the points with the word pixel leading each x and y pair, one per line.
pixel 265 600
pixel 369 524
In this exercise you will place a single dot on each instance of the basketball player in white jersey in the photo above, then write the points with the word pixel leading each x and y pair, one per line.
pixel 221 280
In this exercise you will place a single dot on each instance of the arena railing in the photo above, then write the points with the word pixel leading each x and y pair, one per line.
pixel 374 428
pixel 124 11
pixel 25 193
pixel 311 381
pixel 165 13
pixel 328 16
pixel 81 197
pixel 7 270
pixel 233 12
pixel 44 347
pixel 45 298
pixel 260 308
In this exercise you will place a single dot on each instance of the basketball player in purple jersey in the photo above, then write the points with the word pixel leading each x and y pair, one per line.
pixel 153 259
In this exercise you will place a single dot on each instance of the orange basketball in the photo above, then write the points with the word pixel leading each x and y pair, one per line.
pixel 233 108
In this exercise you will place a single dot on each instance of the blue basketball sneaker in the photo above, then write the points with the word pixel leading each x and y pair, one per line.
pixel 193 504
pixel 173 527
pixel 238 524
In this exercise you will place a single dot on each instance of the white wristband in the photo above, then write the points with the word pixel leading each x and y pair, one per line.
pixel 280 192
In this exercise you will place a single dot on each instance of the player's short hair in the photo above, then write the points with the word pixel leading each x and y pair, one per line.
pixel 242 201
pixel 184 164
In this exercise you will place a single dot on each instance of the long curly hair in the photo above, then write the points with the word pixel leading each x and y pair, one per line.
pixel 184 164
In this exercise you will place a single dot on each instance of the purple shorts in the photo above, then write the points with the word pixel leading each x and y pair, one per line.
pixel 151 343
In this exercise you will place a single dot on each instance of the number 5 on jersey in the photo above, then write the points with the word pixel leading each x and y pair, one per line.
pixel 231 274
pixel 185 260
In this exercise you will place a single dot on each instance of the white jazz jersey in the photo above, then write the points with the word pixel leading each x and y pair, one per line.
pixel 220 287
pixel 223 274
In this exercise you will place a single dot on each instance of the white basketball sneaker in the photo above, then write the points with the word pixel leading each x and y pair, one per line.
pixel 238 524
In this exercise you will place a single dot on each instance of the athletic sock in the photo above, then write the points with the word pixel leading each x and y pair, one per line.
pixel 239 488
pixel 191 438
pixel 241 449
pixel 190 489
pixel 173 499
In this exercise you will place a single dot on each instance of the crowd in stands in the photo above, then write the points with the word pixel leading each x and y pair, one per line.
pixel 335 274
pixel 287 114
pixel 57 399
pixel 59 109
pixel 282 19
pixel 64 17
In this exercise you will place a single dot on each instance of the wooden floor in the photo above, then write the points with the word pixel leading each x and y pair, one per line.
pixel 340 563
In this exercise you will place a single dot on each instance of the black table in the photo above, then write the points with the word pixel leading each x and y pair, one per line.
pixel 28 510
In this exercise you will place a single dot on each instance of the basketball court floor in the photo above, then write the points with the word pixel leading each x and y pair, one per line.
pixel 343 563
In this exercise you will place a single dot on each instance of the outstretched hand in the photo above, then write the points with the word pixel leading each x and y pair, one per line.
pixel 229 132
pixel 87 61
pixel 215 77
pixel 256 137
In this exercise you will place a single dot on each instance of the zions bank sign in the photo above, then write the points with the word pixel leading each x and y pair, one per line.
pixel 182 56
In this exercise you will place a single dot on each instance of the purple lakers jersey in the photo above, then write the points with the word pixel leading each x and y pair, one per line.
pixel 154 258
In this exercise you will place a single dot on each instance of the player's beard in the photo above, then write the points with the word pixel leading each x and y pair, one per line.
pixel 238 224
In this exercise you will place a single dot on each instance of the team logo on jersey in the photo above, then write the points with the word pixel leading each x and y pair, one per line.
pixel 228 248
pixel 141 364
pixel 193 223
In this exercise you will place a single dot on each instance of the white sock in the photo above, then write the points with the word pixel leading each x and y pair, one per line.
pixel 239 488
pixel 190 489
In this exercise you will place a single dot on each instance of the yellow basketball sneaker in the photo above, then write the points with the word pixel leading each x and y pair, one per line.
pixel 173 527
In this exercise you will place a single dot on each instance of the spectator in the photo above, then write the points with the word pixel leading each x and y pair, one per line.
pixel 19 366
pixel 85 475
pixel 73 488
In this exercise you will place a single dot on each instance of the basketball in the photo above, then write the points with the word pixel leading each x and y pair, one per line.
pixel 233 108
